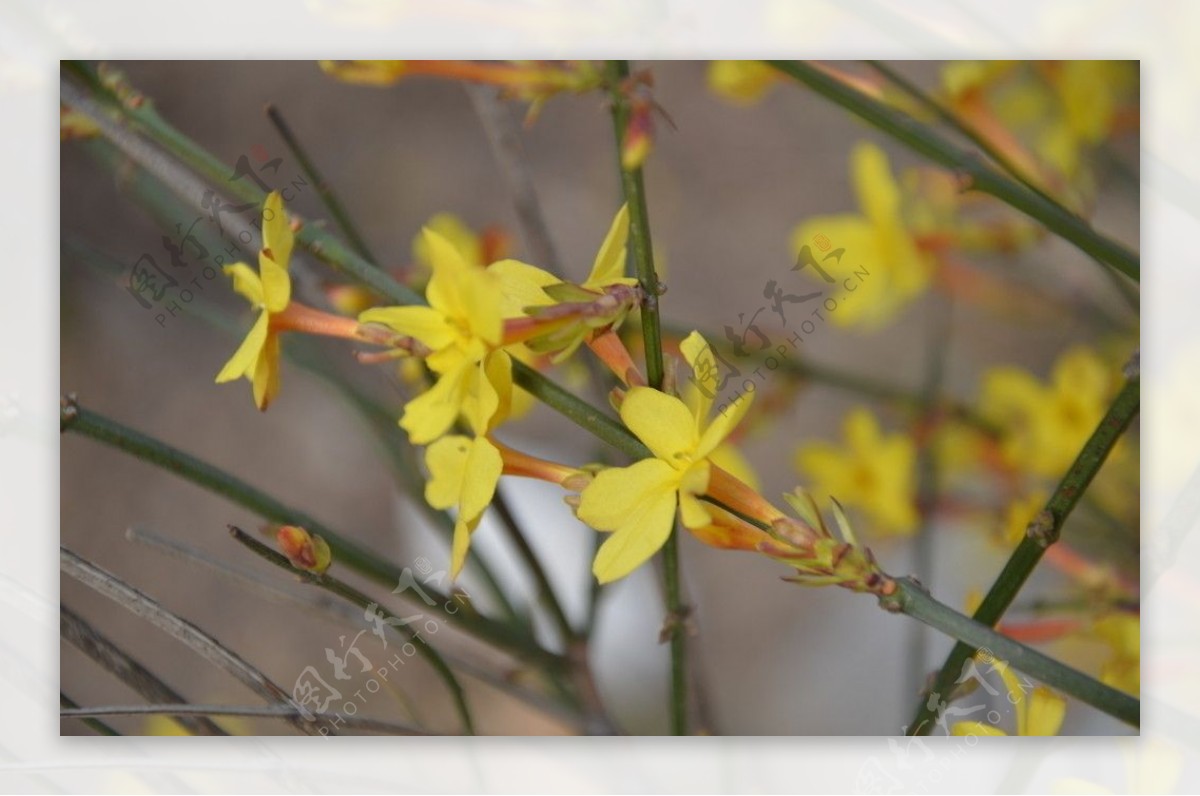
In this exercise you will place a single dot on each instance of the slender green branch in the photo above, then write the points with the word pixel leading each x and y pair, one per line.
pixel 79 632
pixel 912 600
pixel 353 595
pixel 966 130
pixel 326 248
pixel 1126 291
pixel 843 380
pixel 545 589
pixel 1043 532
pixel 926 141
pixel 643 258
pixel 369 564
pixel 328 197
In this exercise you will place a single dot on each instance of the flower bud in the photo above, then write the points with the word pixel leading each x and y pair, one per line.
pixel 305 551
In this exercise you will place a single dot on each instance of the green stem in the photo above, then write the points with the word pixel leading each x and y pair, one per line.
pixel 926 141
pixel 328 198
pixel 546 593
pixel 911 599
pixel 1042 533
pixel 843 380
pixel 367 563
pixel 970 133
pixel 353 595
pixel 643 258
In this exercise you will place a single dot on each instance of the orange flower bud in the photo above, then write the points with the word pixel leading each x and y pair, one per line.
pixel 304 550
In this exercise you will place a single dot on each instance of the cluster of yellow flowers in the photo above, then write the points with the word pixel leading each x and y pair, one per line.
pixel 479 317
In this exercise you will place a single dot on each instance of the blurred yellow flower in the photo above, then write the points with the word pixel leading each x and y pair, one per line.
pixel 872 471
pixel 1046 425
pixel 270 289
pixel 741 82
pixel 877 239
pixel 638 503
pixel 1039 712
pixel 1122 632
pixel 1020 513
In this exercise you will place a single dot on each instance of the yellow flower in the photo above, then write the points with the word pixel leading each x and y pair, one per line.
pixel 463 475
pixel 462 328
pixel 460 236
pixel 872 471
pixel 638 503
pixel 1020 513
pixel 270 290
pixel 1046 425
pixel 548 301
pixel 877 239
pixel 1122 633
pixel 741 82
pixel 1039 712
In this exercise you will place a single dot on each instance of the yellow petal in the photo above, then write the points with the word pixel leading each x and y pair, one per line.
pixel 637 503
pixel 444 289
pixel 484 466
pixel 702 387
pixel 425 324
pixel 461 544
pixel 246 282
pixel 242 363
pixel 460 236
pixel 277 232
pixel 430 414
pixel 662 422
pixel 724 423
pixel 446 460
pixel 731 460
pixel 266 373
pixel 741 82
pixel 693 512
pixel 975 728
pixel 480 399
pixel 276 284
pixel 521 286
pixel 878 193
pixel 619 493
pixel 609 265
pixel 497 367
pixel 1046 712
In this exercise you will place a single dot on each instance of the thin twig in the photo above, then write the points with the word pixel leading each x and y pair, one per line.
pixel 252 711
pixel 353 595
pixel 328 197
pixel 928 142
pixel 911 599
pixel 643 258
pixel 181 630
pixel 125 668
pixel 1042 533
pixel 83 421
pixel 941 317
pixel 338 611
pixel 546 594
pixel 100 727
pixel 503 136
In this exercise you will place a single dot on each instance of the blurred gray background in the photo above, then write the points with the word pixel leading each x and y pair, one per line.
pixel 726 187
